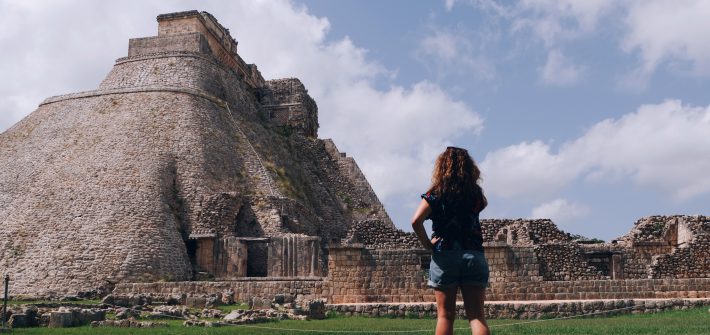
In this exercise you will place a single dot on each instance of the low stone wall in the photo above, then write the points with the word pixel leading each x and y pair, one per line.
pixel 524 310
pixel 360 275
pixel 241 290
pixel 601 289
pixel 365 275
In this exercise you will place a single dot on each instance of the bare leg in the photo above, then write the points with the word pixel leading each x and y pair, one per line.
pixel 445 310
pixel 473 298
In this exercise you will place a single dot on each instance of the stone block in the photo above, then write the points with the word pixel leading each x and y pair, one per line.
pixel 60 319
pixel 20 321
pixel 196 302
pixel 259 303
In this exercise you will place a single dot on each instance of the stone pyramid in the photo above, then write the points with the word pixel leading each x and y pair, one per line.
pixel 183 161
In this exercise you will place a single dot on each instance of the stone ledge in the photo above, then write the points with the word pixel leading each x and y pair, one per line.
pixel 167 54
pixel 231 281
pixel 141 89
pixel 524 309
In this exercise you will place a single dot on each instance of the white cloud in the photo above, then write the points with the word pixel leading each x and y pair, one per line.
pixel 61 47
pixel 449 4
pixel 667 31
pixel 560 211
pixel 48 50
pixel 455 52
pixel 554 21
pixel 525 169
pixel 397 139
pixel 560 71
pixel 664 147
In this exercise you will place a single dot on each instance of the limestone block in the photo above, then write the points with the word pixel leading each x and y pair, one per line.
pixel 196 302
pixel 20 321
pixel 60 319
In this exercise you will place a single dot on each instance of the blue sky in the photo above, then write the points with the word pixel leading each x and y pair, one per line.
pixel 592 113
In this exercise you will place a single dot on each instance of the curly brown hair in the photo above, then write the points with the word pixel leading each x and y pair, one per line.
pixel 455 180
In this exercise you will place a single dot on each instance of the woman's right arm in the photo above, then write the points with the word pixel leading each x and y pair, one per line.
pixel 420 215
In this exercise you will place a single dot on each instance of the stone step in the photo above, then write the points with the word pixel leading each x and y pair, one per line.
pixel 534 309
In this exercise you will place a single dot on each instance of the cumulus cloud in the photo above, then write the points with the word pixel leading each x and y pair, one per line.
pixel 560 71
pixel 454 52
pixel 553 21
pixel 525 169
pixel 659 32
pixel 561 211
pixel 663 147
pixel 67 46
pixel 449 4
pixel 550 23
pixel 58 47
pixel 667 31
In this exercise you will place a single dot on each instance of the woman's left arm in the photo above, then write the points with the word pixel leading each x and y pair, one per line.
pixel 420 215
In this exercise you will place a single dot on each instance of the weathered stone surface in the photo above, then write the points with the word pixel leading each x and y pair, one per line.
pixel 129 323
pixel 60 320
pixel 315 309
pixel 171 311
pixel 21 321
pixel 127 313
pixel 196 301
pixel 524 310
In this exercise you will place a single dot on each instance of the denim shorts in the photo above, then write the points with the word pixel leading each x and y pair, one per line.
pixel 450 268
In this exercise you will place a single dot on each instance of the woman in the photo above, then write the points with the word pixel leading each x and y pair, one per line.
pixel 452 203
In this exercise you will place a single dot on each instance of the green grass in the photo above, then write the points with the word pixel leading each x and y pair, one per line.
pixel 694 321
pixel 228 308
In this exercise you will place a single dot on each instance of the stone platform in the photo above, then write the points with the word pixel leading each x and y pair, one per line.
pixel 533 309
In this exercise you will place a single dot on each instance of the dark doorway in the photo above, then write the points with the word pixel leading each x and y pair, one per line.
pixel 257 258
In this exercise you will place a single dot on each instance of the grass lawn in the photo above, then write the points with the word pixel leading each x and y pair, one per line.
pixel 693 321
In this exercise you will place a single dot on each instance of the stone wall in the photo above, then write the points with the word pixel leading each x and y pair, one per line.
pixel 294 256
pixel 240 290
pixel 363 275
pixel 376 234
pixel 509 264
pixel 522 231
pixel 370 288
pixel 359 275
pixel 287 103
pixel 222 45
pixel 524 310
pixel 600 289
pixel 564 262
pixel 688 262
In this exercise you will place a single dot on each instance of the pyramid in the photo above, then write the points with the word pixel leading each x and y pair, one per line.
pixel 184 164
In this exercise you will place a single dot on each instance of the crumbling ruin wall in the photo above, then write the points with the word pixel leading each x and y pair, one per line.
pixel 287 103
pixel 376 234
pixel 565 262
pixel 522 231
pixel 691 259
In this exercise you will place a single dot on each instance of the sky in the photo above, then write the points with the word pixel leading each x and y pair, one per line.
pixel 590 113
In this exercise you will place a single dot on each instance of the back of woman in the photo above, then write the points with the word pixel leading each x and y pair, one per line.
pixel 453 203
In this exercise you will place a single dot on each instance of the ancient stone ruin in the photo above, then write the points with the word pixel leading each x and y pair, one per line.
pixel 187 175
